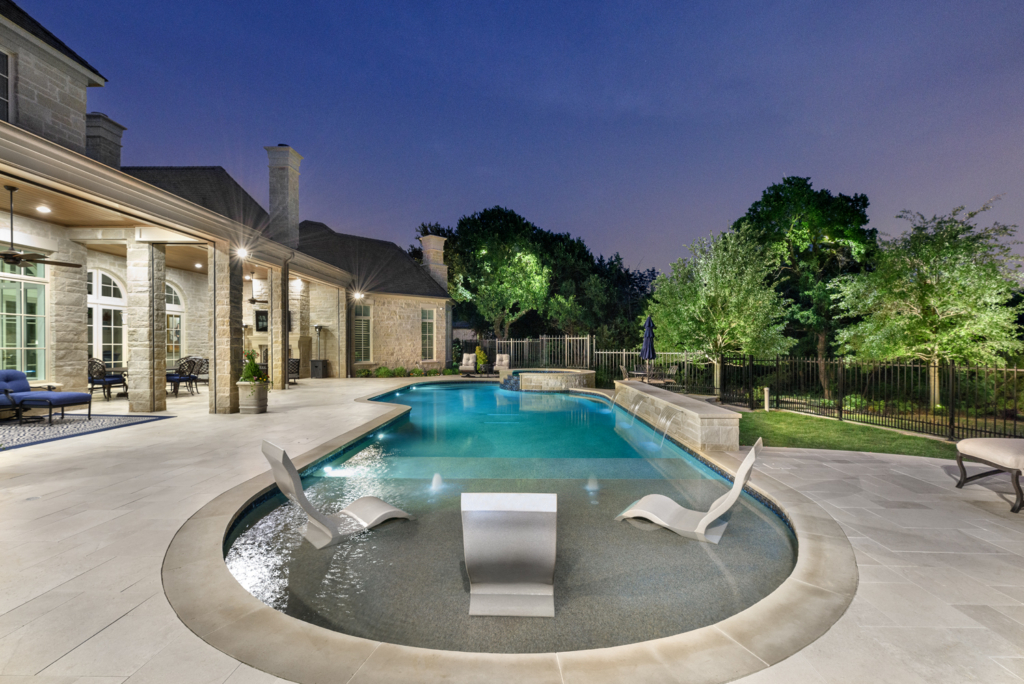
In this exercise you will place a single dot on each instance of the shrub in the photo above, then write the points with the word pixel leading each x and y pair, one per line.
pixel 384 372
pixel 416 372
pixel 456 351
pixel 481 359
pixel 364 373
pixel 432 372
pixel 399 372
pixel 450 371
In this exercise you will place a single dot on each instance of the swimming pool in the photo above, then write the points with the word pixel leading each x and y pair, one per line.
pixel 615 583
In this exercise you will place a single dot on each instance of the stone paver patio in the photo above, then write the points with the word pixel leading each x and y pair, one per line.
pixel 85 522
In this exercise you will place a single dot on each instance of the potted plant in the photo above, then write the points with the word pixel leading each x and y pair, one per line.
pixel 258 384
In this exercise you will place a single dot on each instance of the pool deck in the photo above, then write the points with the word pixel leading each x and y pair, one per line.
pixel 85 524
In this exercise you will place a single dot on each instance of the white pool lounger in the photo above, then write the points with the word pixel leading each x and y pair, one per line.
pixel 705 527
pixel 509 542
pixel 325 530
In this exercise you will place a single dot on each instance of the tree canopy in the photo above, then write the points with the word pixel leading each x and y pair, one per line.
pixel 940 291
pixel 815 237
pixel 721 300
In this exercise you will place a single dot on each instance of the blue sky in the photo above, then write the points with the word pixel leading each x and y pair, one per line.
pixel 638 126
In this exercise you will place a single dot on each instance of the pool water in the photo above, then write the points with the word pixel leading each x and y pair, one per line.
pixel 615 582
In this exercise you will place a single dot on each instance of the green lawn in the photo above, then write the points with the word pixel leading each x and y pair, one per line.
pixel 781 429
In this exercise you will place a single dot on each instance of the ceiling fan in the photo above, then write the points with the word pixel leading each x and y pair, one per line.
pixel 253 300
pixel 13 257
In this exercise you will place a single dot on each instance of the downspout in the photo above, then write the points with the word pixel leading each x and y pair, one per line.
pixel 285 313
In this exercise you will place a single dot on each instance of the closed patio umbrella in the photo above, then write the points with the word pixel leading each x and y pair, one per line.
pixel 647 352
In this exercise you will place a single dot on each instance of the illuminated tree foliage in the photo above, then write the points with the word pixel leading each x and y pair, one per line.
pixel 816 237
pixel 721 300
pixel 941 291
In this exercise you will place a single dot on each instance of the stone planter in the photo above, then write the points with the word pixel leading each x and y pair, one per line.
pixel 252 399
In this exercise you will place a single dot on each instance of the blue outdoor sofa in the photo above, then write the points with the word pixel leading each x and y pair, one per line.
pixel 17 394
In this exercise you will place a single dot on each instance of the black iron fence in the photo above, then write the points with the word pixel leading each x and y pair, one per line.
pixel 947 399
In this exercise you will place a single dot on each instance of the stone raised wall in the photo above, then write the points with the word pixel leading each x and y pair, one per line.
pixel 557 382
pixel 396 331
pixel 49 95
pixel 695 423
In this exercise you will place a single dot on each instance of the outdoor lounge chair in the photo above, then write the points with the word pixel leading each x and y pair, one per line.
pixel 468 364
pixel 18 394
pixel 502 362
pixel 1005 455
pixel 707 527
pixel 325 530
pixel 183 374
pixel 509 542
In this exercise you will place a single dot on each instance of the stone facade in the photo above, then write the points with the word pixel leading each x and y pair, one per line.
pixel 556 382
pixel 48 92
pixel 327 308
pixel 395 332
pixel 693 422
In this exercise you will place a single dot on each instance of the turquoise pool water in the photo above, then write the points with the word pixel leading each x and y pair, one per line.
pixel 615 582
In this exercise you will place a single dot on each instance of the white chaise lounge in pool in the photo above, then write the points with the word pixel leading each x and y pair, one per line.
pixel 325 530
pixel 509 542
pixel 1005 455
pixel 705 527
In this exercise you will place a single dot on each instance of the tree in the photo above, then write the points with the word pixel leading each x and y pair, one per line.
pixel 507 288
pixel 721 300
pixel 941 291
pixel 816 237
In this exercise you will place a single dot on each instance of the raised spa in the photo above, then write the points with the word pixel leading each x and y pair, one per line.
pixel 405 581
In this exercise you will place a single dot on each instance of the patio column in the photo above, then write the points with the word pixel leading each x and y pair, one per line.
pixel 226 298
pixel 279 302
pixel 67 316
pixel 147 327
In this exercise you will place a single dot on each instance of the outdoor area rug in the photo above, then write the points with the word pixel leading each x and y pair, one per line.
pixel 13 435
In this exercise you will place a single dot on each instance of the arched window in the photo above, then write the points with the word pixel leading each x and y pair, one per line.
pixel 175 324
pixel 106 318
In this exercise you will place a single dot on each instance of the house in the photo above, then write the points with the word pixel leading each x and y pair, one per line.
pixel 180 261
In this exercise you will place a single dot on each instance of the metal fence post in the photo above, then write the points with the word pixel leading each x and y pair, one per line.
pixel 842 386
pixel 778 381
pixel 750 381
pixel 951 404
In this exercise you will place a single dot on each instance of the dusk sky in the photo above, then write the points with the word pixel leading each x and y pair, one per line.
pixel 637 126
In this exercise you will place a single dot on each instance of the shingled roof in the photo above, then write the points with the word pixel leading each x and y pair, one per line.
pixel 211 187
pixel 22 18
pixel 376 265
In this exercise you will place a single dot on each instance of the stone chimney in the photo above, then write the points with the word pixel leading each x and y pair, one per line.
pixel 284 195
pixel 433 258
pixel 103 139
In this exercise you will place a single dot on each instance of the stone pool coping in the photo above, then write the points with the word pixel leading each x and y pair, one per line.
pixel 211 603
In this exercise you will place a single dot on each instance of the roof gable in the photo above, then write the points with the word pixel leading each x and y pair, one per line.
pixel 376 265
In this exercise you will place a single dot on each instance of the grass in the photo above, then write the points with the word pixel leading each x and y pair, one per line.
pixel 782 429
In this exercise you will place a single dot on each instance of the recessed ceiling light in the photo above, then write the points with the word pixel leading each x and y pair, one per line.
pixel 43 209
pixel 199 265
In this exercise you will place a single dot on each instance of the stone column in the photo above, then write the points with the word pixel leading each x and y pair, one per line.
pixel 226 296
pixel 146 327
pixel 301 341
pixel 279 301
pixel 68 334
